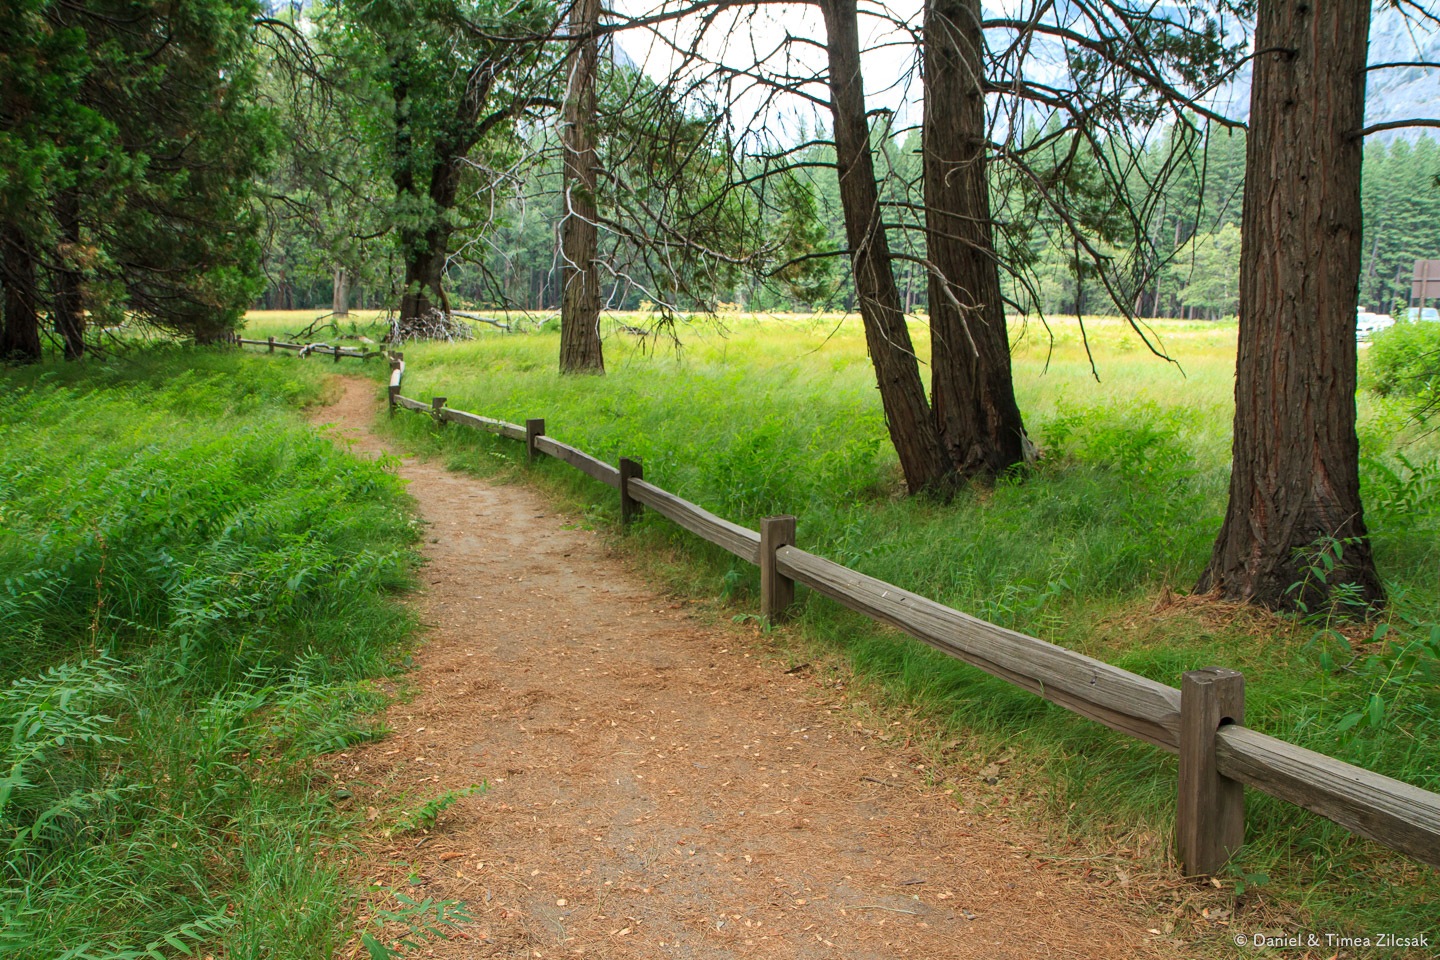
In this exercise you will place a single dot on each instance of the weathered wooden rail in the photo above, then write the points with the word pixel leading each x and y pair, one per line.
pixel 309 349
pixel 1202 722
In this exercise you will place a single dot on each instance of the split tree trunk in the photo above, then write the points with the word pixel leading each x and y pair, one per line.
pixel 1294 479
pixel 20 334
pixel 972 392
pixel 580 348
pixel 897 371
pixel 67 306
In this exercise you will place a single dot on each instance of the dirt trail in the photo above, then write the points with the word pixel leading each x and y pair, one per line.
pixel 660 788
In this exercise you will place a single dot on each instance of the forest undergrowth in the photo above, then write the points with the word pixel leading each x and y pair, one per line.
pixel 198 594
pixel 1095 548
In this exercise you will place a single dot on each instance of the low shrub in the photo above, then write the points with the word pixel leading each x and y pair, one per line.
pixel 1404 360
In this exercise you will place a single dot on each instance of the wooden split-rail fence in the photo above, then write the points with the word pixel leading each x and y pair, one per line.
pixel 1203 722
pixel 333 350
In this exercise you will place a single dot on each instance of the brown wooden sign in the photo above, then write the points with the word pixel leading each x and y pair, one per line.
pixel 1426 285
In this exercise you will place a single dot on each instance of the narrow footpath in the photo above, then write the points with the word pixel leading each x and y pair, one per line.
pixel 659 787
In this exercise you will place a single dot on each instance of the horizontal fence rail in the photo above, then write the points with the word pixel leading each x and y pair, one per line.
pixel 1391 812
pixel 742 542
pixel 510 430
pixel 1202 721
pixel 586 464
pixel 409 404
pixel 1119 699
pixel 310 349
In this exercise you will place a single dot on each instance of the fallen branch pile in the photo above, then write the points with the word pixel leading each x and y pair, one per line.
pixel 435 325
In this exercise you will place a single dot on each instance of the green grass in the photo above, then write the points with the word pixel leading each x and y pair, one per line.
pixel 196 591
pixel 283 324
pixel 780 415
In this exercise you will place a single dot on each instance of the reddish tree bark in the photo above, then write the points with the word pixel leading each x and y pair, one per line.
pixel 1294 479
pixel 972 392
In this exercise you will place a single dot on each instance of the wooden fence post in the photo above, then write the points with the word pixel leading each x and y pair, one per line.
pixel 1210 816
pixel 629 507
pixel 777 592
pixel 533 428
pixel 396 359
pixel 272 344
pixel 336 352
pixel 435 404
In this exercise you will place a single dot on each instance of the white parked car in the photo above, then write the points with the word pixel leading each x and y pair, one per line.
pixel 1367 324
pixel 1429 314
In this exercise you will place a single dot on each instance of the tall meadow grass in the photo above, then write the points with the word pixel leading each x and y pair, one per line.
pixel 195 592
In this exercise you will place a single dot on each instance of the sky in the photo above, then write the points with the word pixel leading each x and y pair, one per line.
pixel 743 37
pixel 738 38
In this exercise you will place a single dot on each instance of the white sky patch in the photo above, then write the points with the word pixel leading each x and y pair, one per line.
pixel 753 41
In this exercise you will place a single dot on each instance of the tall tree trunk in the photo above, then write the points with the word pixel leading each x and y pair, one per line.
pixel 971 390
pixel 427 250
pixel 68 307
pixel 580 349
pixel 423 268
pixel 20 334
pixel 340 298
pixel 897 372
pixel 1295 476
pixel 1175 294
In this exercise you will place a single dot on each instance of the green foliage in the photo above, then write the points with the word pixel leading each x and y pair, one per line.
pixel 803 234
pixel 50 721
pixel 129 139
pixel 193 591
pixel 1318 563
pixel 418 922
pixel 1401 199
pixel 1408 492
pixel 425 817
pixel 1399 679
pixel 1208 271
pixel 1157 499
pixel 1404 360
pixel 435 89
pixel 182 940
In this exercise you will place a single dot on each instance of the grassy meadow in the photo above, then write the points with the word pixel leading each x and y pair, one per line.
pixel 196 593
pixel 1094 548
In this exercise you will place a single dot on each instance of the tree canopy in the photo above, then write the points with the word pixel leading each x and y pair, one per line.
pixel 133 138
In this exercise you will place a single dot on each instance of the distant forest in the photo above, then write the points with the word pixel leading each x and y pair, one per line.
pixel 510 262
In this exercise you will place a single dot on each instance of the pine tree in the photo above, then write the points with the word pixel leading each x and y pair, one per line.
pixel 131 140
